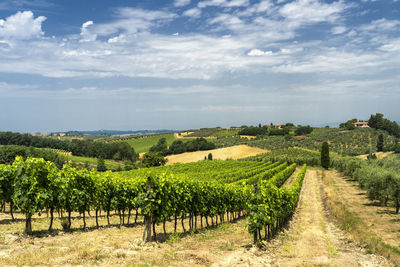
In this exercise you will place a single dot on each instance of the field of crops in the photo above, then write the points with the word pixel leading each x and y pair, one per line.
pixel 355 142
pixel 143 143
pixel 208 189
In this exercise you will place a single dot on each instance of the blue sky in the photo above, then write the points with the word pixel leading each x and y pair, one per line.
pixel 85 65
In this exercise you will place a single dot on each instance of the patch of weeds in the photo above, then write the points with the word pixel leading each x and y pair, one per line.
pixel 92 255
pixel 349 221
pixel 121 254
pixel 65 224
pixel 287 247
pixel 227 246
pixel 170 254
pixel 389 247
pixel 173 238
pixel 369 249
pixel 332 251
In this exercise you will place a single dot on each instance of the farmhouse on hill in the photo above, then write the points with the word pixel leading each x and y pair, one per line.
pixel 361 124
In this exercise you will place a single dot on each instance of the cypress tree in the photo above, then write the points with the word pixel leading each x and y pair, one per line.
pixel 379 145
pixel 325 162
pixel 101 166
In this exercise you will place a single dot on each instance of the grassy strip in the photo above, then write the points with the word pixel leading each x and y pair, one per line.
pixel 144 143
pixel 351 223
pixel 93 161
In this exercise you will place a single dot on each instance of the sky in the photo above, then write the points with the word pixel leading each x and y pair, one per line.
pixel 182 64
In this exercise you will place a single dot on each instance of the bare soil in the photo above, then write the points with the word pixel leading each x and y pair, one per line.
pixel 233 152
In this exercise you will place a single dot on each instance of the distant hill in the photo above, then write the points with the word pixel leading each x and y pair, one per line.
pixel 117 132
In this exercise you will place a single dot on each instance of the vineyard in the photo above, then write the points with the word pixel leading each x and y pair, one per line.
pixel 213 191
pixel 355 142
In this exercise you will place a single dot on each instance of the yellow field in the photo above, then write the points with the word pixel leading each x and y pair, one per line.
pixel 233 152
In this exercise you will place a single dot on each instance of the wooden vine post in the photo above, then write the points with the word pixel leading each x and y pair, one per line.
pixel 147 218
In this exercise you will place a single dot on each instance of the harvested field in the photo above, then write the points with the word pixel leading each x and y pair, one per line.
pixel 250 137
pixel 185 136
pixel 234 152
pixel 379 155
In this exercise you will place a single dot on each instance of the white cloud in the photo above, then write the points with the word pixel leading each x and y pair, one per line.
pixel 223 3
pixel 382 25
pixel 392 46
pixel 258 52
pixel 339 29
pixel 22 26
pixel 87 36
pixel 129 20
pixel 179 3
pixel 132 48
pixel 312 11
pixel 193 13
pixel 118 39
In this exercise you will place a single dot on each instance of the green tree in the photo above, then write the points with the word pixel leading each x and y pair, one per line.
pixel 303 130
pixel 101 165
pixel 348 125
pixel 209 157
pixel 153 159
pixel 161 146
pixel 325 162
pixel 379 145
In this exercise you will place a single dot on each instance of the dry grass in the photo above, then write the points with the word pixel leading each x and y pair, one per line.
pixel 114 246
pixel 234 152
pixel 249 137
pixel 379 155
pixel 367 223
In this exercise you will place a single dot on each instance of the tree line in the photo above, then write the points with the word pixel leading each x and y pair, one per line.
pixel 284 130
pixel 378 122
pixel 178 146
pixel 86 148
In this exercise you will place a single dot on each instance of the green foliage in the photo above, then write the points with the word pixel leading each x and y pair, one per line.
pixel 31 186
pixel 9 152
pixel 152 159
pixel 271 206
pixel 101 166
pixel 348 125
pixel 142 143
pixel 253 131
pixel 290 155
pixel 7 174
pixel 380 178
pixel 377 121
pixel 119 151
pixel 203 188
pixel 209 157
pixel 325 161
pixel 177 147
pixel 303 130
pixel 161 147
pixel 272 132
pixel 379 144
pixel 351 143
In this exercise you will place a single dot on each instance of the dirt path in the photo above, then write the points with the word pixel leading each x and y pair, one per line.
pixel 381 221
pixel 312 240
